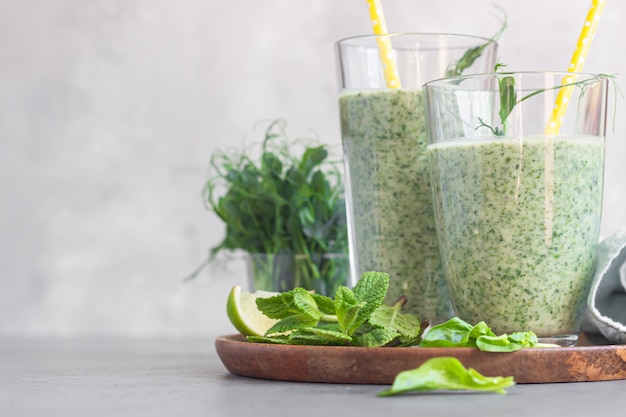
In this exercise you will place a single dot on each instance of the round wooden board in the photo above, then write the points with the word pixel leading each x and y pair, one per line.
pixel 358 365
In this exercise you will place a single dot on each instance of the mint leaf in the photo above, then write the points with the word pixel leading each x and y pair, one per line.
pixel 295 322
pixel 391 318
pixel 277 340
pixel 325 304
pixel 303 338
pixel 302 334
pixel 372 287
pixel 353 307
pixel 304 302
pixel 348 310
pixel 328 335
pixel 297 301
pixel 446 373
pixel 375 337
pixel 278 306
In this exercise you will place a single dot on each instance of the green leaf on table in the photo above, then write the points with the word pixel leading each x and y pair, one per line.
pixel 446 373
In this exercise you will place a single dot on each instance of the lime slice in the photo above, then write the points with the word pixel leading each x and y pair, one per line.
pixel 243 313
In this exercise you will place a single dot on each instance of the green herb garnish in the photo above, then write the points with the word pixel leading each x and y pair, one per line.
pixel 508 96
pixel 287 212
pixel 472 54
pixel 446 373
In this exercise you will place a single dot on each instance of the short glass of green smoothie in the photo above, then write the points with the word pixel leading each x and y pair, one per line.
pixel 517 167
pixel 390 216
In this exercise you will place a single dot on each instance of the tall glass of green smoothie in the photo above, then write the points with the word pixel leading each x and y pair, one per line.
pixel 390 212
pixel 517 167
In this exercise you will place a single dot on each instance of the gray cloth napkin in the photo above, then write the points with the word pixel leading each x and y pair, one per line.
pixel 606 304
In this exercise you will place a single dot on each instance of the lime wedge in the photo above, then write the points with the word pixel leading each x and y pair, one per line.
pixel 243 313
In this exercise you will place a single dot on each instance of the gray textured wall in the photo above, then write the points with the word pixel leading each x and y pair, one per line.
pixel 110 109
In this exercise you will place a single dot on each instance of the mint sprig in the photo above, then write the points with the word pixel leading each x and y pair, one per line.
pixel 354 317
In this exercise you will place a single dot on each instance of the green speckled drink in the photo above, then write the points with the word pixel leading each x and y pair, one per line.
pixel 518 198
pixel 490 202
pixel 390 211
pixel 390 197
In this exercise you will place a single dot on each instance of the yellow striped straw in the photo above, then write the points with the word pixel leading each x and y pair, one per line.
pixel 384 44
pixel 562 100
pixel 576 65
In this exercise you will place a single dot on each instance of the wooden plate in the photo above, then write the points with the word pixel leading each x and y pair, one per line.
pixel 591 360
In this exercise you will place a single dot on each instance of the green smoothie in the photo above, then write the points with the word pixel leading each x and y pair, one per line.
pixel 390 199
pixel 511 259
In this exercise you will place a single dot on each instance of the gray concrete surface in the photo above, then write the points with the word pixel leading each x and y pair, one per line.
pixel 105 377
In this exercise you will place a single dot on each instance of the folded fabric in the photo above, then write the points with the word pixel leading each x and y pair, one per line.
pixel 607 299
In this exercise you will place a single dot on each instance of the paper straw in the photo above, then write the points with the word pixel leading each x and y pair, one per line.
pixel 576 65
pixel 562 100
pixel 384 44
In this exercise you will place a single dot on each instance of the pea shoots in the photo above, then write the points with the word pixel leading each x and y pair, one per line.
pixel 507 92
pixel 287 212
pixel 456 68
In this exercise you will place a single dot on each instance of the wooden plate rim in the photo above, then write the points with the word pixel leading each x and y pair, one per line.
pixel 360 365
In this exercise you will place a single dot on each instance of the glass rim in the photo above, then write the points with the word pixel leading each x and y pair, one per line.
pixel 354 40
pixel 446 82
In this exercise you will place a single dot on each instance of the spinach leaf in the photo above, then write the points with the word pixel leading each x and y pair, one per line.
pixel 458 333
pixel 446 373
